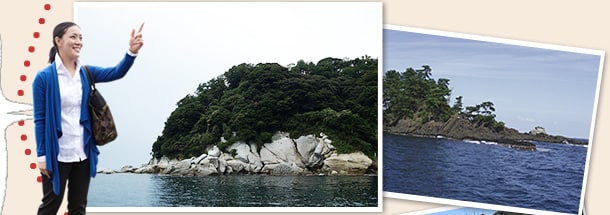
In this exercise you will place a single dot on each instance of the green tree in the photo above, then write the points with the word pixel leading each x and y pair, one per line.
pixel 458 106
pixel 250 102
pixel 415 94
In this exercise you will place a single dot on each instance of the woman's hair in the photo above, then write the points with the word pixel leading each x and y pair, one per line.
pixel 59 31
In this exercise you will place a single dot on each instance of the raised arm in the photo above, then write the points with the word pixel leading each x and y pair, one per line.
pixel 101 74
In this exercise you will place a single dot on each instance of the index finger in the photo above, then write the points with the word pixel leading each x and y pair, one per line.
pixel 141 26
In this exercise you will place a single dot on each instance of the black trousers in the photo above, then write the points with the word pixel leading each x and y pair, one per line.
pixel 78 177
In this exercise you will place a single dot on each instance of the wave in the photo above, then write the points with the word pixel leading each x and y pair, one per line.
pixel 471 141
pixel 489 142
pixel 543 150
pixel 480 142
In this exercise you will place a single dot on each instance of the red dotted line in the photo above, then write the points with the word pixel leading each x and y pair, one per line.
pixel 32 49
pixel 20 92
pixel 28 152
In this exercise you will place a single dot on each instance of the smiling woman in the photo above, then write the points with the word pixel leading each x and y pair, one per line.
pixel 65 149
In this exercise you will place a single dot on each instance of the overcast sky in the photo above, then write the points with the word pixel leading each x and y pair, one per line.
pixel 529 85
pixel 190 43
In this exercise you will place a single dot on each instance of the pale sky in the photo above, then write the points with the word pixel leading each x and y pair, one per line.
pixel 530 84
pixel 190 43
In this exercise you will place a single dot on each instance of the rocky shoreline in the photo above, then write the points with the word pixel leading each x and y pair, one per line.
pixel 461 129
pixel 305 155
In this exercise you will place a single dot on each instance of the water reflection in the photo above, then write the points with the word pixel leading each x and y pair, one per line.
pixel 265 191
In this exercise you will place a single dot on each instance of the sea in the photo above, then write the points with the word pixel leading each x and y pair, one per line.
pixel 151 190
pixel 548 179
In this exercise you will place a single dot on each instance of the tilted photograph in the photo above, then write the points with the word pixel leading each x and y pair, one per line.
pixel 486 122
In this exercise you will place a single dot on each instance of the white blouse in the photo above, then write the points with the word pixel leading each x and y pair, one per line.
pixel 71 143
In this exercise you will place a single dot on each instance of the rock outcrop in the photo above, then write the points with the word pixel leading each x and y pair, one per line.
pixel 538 130
pixel 106 171
pixel 282 156
pixel 460 129
pixel 281 153
pixel 345 164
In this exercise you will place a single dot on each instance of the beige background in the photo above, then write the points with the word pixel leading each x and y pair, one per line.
pixel 570 23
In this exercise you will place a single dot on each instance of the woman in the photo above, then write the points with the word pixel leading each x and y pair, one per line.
pixel 64 144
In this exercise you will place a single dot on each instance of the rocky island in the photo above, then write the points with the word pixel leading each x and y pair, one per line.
pixel 416 104
pixel 304 119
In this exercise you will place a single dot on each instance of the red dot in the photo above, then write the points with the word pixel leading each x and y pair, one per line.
pixel 26 63
pixel 21 122
pixel 41 21
pixel 20 92
pixel 31 49
pixel 23 78
pixel 24 137
pixel 66 213
pixel 28 151
pixel 47 7
pixel 36 35
pixel 33 166
pixel 39 179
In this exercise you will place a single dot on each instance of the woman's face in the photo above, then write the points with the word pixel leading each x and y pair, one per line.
pixel 70 43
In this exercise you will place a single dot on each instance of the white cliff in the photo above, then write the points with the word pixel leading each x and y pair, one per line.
pixel 282 156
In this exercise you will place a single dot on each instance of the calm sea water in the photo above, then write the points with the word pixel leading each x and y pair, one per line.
pixel 146 190
pixel 549 179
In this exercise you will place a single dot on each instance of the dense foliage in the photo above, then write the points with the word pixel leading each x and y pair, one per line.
pixel 416 95
pixel 252 102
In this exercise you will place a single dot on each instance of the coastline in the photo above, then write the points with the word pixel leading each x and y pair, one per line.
pixel 521 144
pixel 306 155
pixel 457 128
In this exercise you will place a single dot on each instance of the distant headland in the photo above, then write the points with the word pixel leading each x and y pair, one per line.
pixel 416 104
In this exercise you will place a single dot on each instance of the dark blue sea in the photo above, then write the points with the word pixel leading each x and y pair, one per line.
pixel 548 179
pixel 147 190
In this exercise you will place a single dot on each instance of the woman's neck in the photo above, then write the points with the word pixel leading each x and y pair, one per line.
pixel 70 64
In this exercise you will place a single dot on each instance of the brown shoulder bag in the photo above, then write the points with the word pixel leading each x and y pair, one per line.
pixel 102 123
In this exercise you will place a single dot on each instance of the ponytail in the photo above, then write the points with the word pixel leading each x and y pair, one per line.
pixel 52 54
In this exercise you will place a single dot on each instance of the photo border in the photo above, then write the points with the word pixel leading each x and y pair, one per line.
pixel 599 53
pixel 76 5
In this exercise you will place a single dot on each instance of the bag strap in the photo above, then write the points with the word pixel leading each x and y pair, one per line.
pixel 90 78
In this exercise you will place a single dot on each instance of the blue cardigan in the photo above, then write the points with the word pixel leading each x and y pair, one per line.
pixel 47 113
